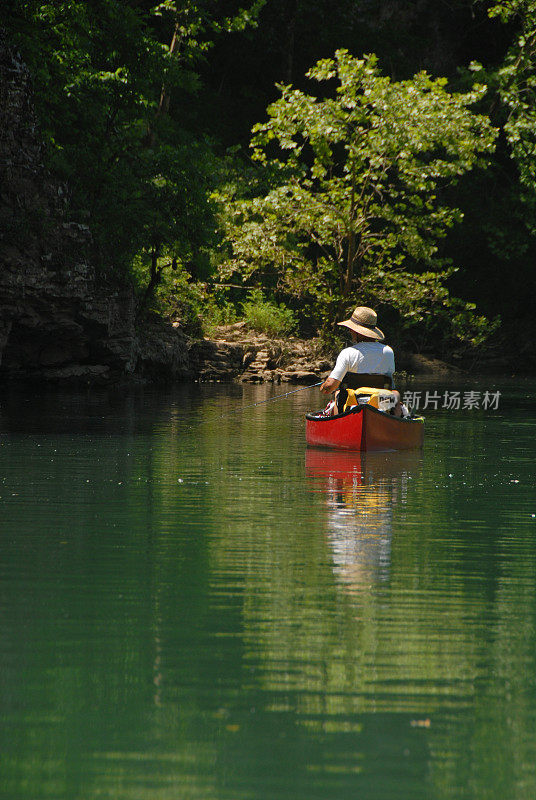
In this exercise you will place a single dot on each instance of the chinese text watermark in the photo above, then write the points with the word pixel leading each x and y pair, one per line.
pixel 453 400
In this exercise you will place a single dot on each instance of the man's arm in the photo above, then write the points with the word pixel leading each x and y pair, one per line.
pixel 341 368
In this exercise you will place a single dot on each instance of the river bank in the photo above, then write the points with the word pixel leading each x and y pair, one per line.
pixel 235 353
pixel 92 346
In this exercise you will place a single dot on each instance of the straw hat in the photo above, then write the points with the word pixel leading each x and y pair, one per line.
pixel 363 321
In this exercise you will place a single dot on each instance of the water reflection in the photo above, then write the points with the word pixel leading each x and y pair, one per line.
pixel 362 491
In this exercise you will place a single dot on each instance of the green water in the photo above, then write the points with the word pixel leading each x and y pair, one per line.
pixel 194 606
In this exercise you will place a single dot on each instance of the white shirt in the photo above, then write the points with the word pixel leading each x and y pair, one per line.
pixel 369 357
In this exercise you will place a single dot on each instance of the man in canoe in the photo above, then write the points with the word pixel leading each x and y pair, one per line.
pixel 367 362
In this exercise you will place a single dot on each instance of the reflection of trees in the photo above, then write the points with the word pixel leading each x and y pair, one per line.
pixel 193 636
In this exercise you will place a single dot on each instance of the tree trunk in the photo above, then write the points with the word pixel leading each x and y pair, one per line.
pixel 163 104
pixel 154 279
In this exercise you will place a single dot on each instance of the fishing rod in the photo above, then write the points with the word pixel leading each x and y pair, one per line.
pixel 270 399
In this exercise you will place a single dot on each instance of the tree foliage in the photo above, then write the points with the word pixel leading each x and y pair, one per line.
pixel 359 174
pixel 516 84
pixel 115 85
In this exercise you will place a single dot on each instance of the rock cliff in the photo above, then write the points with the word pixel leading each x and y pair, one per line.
pixel 56 320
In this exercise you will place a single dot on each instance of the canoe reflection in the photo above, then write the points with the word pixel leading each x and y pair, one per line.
pixel 362 491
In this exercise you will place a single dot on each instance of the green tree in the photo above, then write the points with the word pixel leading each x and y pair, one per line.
pixel 115 91
pixel 356 203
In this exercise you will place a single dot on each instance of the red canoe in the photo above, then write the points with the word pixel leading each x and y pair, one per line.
pixel 364 428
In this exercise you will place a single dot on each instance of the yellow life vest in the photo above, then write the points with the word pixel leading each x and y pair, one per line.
pixel 382 399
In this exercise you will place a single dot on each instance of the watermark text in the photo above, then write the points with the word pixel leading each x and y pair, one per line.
pixel 452 400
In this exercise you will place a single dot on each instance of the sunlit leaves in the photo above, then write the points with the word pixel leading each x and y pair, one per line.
pixel 361 173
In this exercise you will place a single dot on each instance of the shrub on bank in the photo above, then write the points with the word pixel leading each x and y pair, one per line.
pixel 268 317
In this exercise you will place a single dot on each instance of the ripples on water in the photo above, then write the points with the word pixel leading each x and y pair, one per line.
pixel 197 606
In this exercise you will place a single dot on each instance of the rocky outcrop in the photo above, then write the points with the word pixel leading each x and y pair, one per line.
pixel 238 354
pixel 56 321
